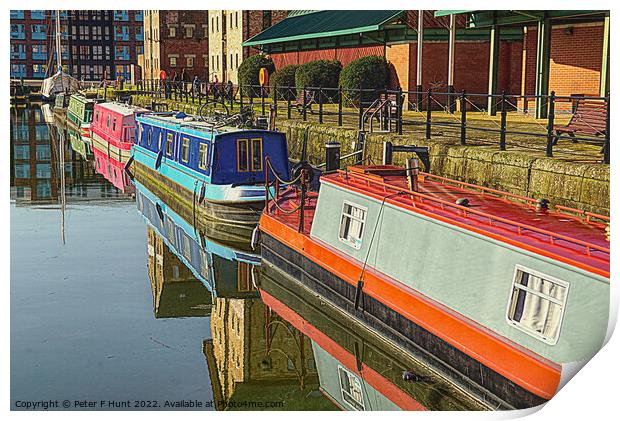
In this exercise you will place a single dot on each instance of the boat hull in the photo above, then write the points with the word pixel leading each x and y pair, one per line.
pixel 118 154
pixel 238 219
pixel 475 377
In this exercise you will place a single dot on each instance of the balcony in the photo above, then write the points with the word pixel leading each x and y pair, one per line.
pixel 18 55
pixel 37 14
pixel 121 15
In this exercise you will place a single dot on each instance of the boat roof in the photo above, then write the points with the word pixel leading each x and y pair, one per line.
pixel 121 108
pixel 190 122
pixel 576 237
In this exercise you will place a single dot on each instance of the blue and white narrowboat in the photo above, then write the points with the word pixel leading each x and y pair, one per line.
pixel 218 171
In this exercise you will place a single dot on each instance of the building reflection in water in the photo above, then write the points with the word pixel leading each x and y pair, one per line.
pixel 35 161
pixel 254 357
pixel 176 291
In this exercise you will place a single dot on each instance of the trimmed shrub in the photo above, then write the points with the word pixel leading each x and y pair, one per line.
pixel 319 73
pixel 284 77
pixel 370 72
pixel 249 70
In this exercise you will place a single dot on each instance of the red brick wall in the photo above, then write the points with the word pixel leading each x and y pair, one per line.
pixel 471 65
pixel 198 45
pixel 344 55
pixel 576 60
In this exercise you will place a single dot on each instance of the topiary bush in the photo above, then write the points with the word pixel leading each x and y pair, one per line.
pixel 370 72
pixel 249 70
pixel 320 73
pixel 284 77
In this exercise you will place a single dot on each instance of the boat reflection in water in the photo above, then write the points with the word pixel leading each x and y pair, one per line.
pixel 176 291
pixel 112 170
pixel 256 360
pixel 358 368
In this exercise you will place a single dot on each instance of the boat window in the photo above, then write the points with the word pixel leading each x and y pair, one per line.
pixel 114 124
pixel 108 120
pixel 203 156
pixel 140 130
pixel 169 144
pixel 537 303
pixel 352 224
pixel 97 116
pixel 257 154
pixel 185 150
pixel 242 155
pixel 351 388
pixel 148 136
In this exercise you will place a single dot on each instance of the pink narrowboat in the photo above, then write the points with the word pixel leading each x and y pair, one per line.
pixel 113 130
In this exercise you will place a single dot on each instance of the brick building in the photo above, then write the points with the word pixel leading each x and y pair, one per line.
pixel 228 30
pixel 176 40
pixel 310 35
pixel 95 43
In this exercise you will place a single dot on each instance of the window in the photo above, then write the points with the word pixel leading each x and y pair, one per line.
pixel 189 32
pixel 172 31
pixel 203 155
pixel 190 61
pixel 257 154
pixel 108 120
pixel 185 150
pixel 242 154
pixel 140 131
pixel 148 136
pixel 351 388
pixel 97 116
pixel 114 124
pixel 537 304
pixel 169 144
pixel 352 224
pixel 173 62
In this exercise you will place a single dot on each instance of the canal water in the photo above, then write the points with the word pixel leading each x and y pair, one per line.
pixel 119 300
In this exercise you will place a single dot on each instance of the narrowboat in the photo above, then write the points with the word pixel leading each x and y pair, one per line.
pixel 112 170
pixel 80 113
pixel 79 143
pixel 224 270
pixel 499 290
pixel 358 368
pixel 113 129
pixel 61 102
pixel 217 170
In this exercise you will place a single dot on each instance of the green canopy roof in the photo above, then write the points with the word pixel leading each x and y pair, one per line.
pixel 324 23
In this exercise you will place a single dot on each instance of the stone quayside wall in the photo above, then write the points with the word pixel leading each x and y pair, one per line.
pixel 578 185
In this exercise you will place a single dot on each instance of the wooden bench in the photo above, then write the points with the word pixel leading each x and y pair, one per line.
pixel 299 103
pixel 589 118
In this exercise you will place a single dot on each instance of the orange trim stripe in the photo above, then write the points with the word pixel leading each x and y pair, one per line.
pixel 376 380
pixel 523 367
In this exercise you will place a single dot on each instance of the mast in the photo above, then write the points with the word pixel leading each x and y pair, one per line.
pixel 58 45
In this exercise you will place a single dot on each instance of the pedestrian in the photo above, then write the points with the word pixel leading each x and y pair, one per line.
pixel 175 82
pixel 168 87
pixel 196 85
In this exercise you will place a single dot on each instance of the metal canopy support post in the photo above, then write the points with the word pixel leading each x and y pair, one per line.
pixel 419 59
pixel 493 70
pixel 452 33
pixel 604 85
pixel 543 58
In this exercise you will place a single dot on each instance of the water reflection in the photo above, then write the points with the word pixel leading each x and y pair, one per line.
pixel 35 161
pixel 358 368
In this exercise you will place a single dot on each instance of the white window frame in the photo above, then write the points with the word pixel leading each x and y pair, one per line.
pixel 342 392
pixel 514 284
pixel 346 241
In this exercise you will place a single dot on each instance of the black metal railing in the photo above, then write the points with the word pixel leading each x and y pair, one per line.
pixel 467 117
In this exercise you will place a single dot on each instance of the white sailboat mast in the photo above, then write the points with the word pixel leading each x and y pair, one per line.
pixel 58 45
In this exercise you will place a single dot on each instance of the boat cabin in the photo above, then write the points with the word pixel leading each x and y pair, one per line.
pixel 224 155
pixel 80 110
pixel 115 122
